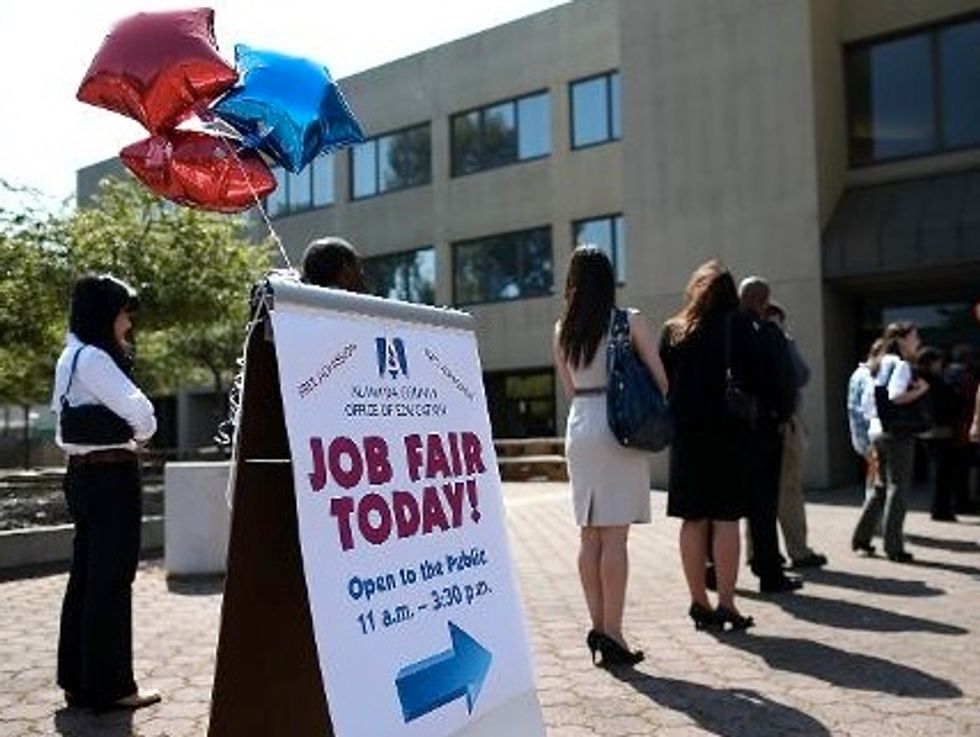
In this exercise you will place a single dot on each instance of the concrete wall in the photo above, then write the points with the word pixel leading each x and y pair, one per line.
pixel 718 136
pixel 830 115
pixel 544 51
pixel 39 546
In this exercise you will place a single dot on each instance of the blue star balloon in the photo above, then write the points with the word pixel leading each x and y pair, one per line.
pixel 289 108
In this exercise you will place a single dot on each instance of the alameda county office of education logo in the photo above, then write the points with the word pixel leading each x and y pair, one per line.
pixel 391 357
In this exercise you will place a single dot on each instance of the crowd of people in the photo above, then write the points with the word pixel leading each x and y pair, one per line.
pixel 733 378
pixel 938 409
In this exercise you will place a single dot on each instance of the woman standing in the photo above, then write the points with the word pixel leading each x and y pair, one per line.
pixel 709 458
pixel 610 483
pixel 102 486
pixel 895 451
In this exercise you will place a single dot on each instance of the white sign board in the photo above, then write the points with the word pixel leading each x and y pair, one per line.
pixel 414 605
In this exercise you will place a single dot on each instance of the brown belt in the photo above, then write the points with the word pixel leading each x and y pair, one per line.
pixel 589 391
pixel 109 455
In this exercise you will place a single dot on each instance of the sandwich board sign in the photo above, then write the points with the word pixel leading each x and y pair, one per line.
pixel 369 586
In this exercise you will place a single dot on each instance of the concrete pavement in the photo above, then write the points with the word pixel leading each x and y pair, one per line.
pixel 868 648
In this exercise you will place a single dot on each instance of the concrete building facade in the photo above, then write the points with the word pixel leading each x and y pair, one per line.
pixel 672 131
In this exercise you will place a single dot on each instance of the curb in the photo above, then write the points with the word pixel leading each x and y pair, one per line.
pixel 43 546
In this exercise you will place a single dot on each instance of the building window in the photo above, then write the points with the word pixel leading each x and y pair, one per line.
pixel 311 187
pixel 596 110
pixel 521 403
pixel 500 134
pixel 408 276
pixel 914 95
pixel 299 191
pixel 394 161
pixel 609 234
pixel 323 192
pixel 503 267
pixel 276 203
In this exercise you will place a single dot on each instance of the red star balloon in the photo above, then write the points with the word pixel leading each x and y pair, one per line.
pixel 201 170
pixel 158 68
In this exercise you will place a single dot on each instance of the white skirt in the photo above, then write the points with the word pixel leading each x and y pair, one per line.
pixel 610 483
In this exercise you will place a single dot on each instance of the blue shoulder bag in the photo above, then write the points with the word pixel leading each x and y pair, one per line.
pixel 637 412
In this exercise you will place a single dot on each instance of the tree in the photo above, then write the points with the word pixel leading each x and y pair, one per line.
pixel 193 270
pixel 29 308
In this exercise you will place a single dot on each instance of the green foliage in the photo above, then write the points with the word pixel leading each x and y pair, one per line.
pixel 31 303
pixel 193 271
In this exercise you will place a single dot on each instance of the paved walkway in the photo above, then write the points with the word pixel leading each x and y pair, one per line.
pixel 869 647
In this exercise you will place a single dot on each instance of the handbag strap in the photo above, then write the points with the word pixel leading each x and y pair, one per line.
pixel 728 346
pixel 71 375
pixel 620 324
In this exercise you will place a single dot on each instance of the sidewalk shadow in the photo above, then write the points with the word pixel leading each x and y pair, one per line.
pixel 200 585
pixel 80 722
pixel 847 615
pixel 841 668
pixel 971 571
pixel 870 584
pixel 727 712
pixel 954 546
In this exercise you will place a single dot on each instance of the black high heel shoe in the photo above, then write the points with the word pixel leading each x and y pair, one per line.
pixel 703 617
pixel 615 654
pixel 592 640
pixel 736 620
pixel 867 548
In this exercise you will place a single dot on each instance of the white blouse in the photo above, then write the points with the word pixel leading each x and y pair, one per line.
pixel 894 372
pixel 98 380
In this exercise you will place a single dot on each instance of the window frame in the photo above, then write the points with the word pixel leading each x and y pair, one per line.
pixel 607 75
pixel 611 218
pixel 932 30
pixel 373 140
pixel 481 110
pixel 405 252
pixel 454 258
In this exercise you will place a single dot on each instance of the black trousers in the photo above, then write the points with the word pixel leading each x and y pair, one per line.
pixel 943 461
pixel 95 648
pixel 764 504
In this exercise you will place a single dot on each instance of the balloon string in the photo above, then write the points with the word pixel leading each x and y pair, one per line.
pixel 258 203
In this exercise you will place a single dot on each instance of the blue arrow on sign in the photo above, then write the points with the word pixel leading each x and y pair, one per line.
pixel 430 683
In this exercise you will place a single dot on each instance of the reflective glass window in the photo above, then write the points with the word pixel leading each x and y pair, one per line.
pixel 275 202
pixel 500 134
pixel 300 189
pixel 914 95
pixel 608 234
pixel 615 106
pixel 534 131
pixel 409 276
pixel 364 169
pixel 323 191
pixel 960 84
pixel 503 267
pixel 590 112
pixel 404 159
pixel 393 161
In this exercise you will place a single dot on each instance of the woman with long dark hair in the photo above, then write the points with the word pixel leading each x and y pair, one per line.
pixel 890 367
pixel 610 483
pixel 102 487
pixel 707 341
